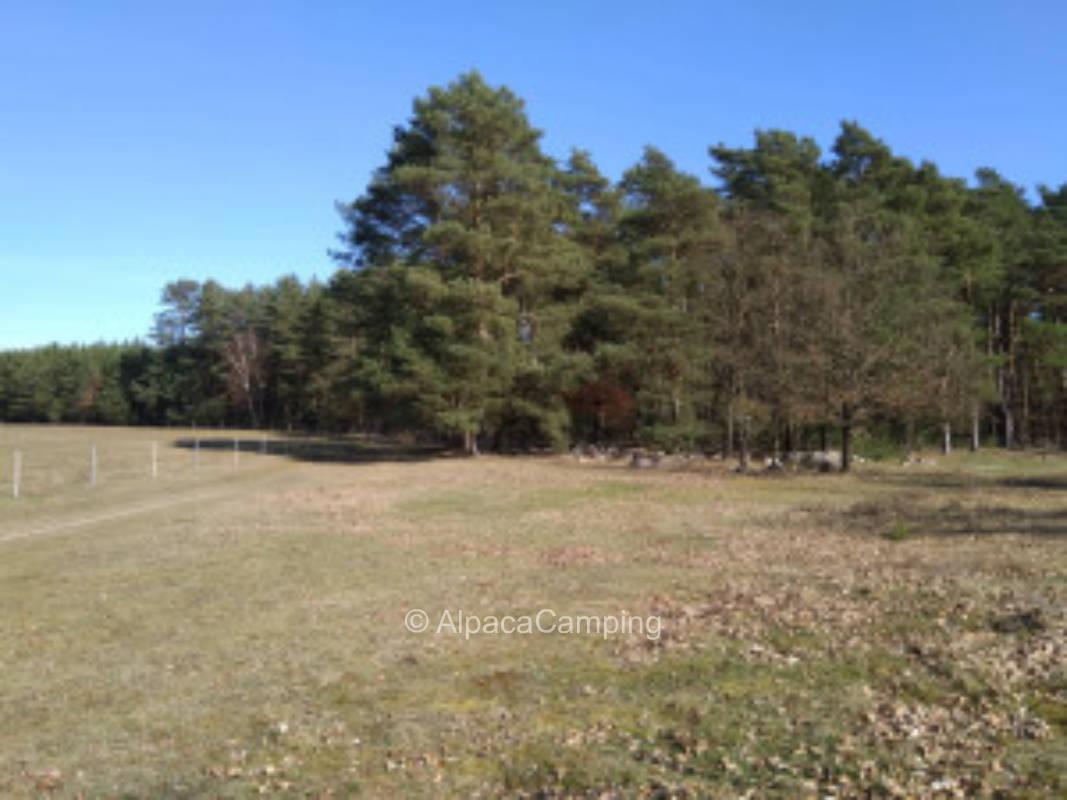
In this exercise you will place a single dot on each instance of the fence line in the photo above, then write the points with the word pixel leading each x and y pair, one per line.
pixel 45 475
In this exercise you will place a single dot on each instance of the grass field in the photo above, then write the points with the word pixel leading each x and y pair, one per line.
pixel 239 631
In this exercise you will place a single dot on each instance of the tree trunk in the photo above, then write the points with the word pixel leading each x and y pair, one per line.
pixel 909 438
pixel 253 416
pixel 846 437
pixel 1025 436
pixel 1008 383
pixel 976 436
pixel 470 443
pixel 743 466
pixel 946 438
pixel 823 438
pixel 728 443
pixel 1009 418
pixel 1003 434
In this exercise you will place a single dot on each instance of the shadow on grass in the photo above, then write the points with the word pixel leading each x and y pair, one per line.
pixel 921 479
pixel 905 517
pixel 330 449
pixel 932 503
pixel 1053 482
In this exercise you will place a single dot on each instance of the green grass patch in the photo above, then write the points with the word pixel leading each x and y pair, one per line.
pixel 900 531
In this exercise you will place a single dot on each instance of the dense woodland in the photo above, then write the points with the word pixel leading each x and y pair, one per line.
pixel 490 296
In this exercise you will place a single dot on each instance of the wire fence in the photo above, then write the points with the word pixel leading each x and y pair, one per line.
pixel 42 461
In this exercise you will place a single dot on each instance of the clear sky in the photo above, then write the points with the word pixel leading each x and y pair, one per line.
pixel 141 142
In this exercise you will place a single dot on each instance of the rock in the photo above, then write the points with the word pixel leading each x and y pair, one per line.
pixel 642 460
pixel 821 460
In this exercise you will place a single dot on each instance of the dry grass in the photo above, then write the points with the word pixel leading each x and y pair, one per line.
pixel 239 632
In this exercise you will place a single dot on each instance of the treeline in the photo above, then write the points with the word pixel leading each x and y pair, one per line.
pixel 255 357
pixel 490 295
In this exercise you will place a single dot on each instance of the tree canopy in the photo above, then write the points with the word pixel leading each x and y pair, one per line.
pixel 490 295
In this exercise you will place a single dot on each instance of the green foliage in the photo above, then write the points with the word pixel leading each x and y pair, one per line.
pixel 491 296
pixel 900 531
pixel 878 444
pixel 678 438
pixel 473 212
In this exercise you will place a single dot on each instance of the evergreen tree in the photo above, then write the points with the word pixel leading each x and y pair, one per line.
pixel 998 291
pixel 468 194
pixel 778 197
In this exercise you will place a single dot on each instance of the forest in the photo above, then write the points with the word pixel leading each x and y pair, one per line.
pixel 491 297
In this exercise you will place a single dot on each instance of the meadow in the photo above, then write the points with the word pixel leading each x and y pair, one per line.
pixel 238 630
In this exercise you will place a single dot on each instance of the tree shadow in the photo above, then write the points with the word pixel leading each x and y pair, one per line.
pixel 323 449
pixel 906 516
pixel 928 479
pixel 929 503
pixel 1050 482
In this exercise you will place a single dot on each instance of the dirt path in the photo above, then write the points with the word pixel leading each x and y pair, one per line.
pixel 70 522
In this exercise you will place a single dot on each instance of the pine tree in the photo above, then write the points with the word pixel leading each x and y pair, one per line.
pixel 776 193
pixel 467 194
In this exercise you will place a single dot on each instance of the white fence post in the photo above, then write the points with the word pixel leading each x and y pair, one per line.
pixel 236 453
pixel 155 459
pixel 17 468
pixel 92 466
pixel 196 454
pixel 263 445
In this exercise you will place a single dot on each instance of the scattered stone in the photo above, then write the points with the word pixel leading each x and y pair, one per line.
pixel 820 460
pixel 639 459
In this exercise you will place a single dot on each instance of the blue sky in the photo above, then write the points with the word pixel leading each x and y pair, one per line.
pixel 142 142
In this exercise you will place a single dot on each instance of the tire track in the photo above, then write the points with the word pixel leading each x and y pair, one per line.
pixel 70 523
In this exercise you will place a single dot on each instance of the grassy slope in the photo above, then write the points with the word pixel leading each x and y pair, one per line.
pixel 899 630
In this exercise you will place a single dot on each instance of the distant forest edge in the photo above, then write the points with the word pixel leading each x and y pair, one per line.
pixel 493 297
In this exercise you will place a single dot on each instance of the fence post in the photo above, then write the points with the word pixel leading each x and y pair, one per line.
pixel 196 454
pixel 17 468
pixel 155 459
pixel 92 466
pixel 263 445
pixel 236 452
